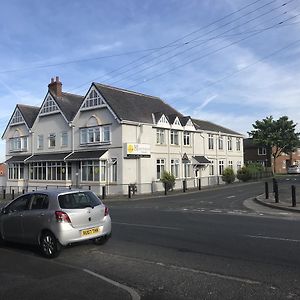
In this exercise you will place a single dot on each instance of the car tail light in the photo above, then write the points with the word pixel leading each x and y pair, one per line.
pixel 106 211
pixel 62 217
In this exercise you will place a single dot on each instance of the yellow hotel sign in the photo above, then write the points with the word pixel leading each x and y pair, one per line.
pixel 138 150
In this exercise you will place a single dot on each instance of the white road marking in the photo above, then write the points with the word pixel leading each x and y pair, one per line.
pixel 134 295
pixel 229 197
pixel 273 238
pixel 185 269
pixel 148 226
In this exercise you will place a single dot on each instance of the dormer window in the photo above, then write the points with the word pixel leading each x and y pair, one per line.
pixel 93 100
pixel 17 118
pixel 163 120
pixel 49 106
pixel 177 122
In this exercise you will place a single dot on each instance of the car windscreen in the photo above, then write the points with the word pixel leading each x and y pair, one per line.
pixel 78 200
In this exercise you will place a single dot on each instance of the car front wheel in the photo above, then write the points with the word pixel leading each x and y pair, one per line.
pixel 49 245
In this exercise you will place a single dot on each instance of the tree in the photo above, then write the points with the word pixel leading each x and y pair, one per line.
pixel 228 175
pixel 279 135
pixel 168 179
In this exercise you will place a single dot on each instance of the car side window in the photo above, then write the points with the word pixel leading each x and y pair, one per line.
pixel 20 204
pixel 39 201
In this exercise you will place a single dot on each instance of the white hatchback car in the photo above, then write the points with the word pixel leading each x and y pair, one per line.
pixel 293 169
pixel 55 218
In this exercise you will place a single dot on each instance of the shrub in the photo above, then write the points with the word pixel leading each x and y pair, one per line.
pixel 228 175
pixel 168 179
pixel 244 174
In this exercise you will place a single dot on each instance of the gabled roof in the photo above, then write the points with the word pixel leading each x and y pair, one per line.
pixel 29 113
pixel 209 126
pixel 132 106
pixel 172 118
pixel 184 120
pixel 69 104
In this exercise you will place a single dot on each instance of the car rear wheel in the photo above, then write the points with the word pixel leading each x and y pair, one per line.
pixel 49 245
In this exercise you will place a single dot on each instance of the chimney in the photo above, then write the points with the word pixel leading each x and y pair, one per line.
pixel 55 86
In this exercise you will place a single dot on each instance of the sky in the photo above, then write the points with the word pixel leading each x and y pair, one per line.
pixel 230 62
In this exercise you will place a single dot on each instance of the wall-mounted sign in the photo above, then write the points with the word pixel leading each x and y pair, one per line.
pixel 133 150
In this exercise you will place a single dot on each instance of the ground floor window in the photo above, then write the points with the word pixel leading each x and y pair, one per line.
pixel 160 167
pixel 114 170
pixel 221 167
pixel 175 167
pixel 187 170
pixel 93 170
pixel 212 168
pixel 230 164
pixel 51 171
pixel 16 171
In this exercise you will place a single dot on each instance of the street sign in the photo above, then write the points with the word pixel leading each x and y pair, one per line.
pixel 185 159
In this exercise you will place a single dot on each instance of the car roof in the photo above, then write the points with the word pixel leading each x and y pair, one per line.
pixel 56 192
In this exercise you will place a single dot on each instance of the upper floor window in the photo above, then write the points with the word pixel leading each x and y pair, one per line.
pixel 18 143
pixel 262 151
pixel 221 142
pixel 160 136
pixel 186 138
pixel 49 106
pixel 210 142
pixel 40 141
pixel 238 144
pixel 17 118
pixel 174 137
pixel 64 139
pixel 92 135
pixel 93 99
pixel 229 143
pixel 52 140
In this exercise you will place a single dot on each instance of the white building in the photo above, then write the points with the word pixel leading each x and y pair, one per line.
pixel 113 137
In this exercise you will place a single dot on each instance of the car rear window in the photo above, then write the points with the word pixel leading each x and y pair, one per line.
pixel 78 200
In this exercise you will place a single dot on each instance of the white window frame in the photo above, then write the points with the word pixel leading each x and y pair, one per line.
pixel 229 143
pixel 40 141
pixel 160 136
pixel 93 100
pixel 51 139
pixel 211 142
pixel 238 144
pixel 221 142
pixel 160 167
pixel 64 139
pixel 95 135
pixel 175 167
pixel 174 137
pixel 262 151
pixel 186 138
pixel 221 167
pixel 212 168
pixel 49 106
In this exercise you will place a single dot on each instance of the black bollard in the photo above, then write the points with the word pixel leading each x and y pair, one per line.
pixel 184 185
pixel 12 194
pixel 276 192
pixel 103 192
pixel 4 194
pixel 199 184
pixel 129 191
pixel 293 196
pixel 165 186
pixel 267 190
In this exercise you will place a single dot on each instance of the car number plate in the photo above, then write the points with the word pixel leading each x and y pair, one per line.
pixel 91 231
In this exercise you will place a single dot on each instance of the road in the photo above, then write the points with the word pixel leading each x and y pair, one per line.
pixel 210 244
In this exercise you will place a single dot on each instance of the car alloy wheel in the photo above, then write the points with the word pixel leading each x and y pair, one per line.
pixel 50 247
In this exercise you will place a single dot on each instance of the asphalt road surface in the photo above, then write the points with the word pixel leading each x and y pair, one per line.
pixel 212 244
